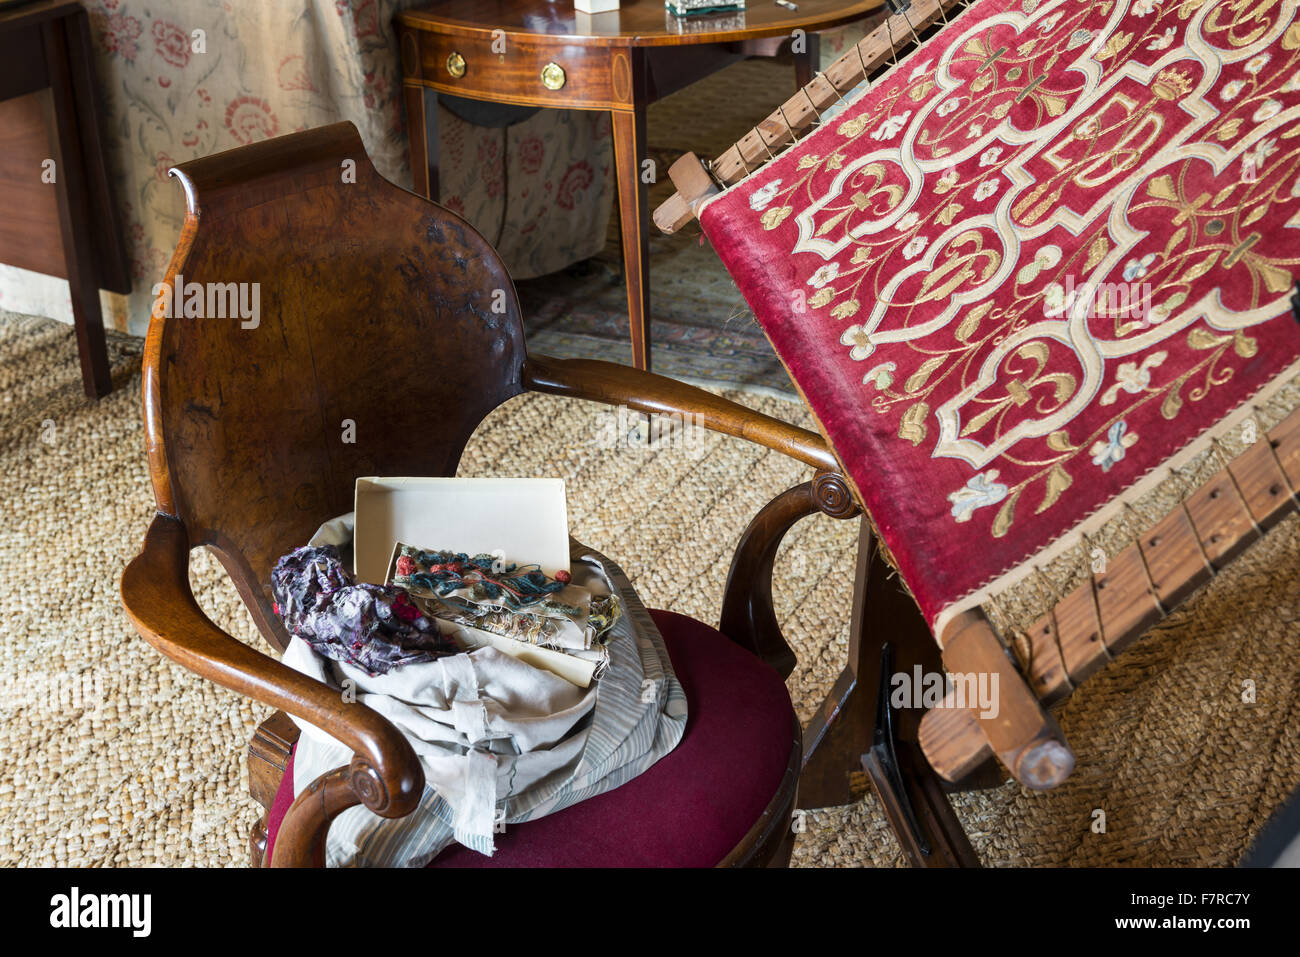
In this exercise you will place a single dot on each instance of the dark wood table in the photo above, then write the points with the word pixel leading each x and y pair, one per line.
pixel 542 53
pixel 58 219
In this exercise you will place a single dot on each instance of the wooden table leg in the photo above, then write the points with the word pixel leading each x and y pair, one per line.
pixel 807 64
pixel 74 214
pixel 422 132
pixel 634 222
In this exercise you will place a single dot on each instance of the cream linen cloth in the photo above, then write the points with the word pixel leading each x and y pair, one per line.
pixel 501 742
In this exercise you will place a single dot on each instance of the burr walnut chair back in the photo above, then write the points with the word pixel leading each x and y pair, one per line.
pixel 376 330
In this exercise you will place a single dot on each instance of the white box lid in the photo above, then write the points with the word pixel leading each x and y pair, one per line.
pixel 526 518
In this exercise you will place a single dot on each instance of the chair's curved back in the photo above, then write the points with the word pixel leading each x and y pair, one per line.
pixel 385 329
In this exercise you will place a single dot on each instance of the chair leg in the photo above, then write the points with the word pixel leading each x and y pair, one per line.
pixel 841 737
pixel 257 843
pixel 268 756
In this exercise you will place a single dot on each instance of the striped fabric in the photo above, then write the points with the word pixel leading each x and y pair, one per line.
pixel 638 716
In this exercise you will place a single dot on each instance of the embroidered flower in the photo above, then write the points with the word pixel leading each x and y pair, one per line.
pixel 907 221
pixel 1267 110
pixel 406 565
pixel 986 189
pixel 890 128
pixel 1133 378
pixel 824 274
pixel 1231 90
pixel 1145 7
pixel 1257 63
pixel 760 198
pixel 980 490
pixel 1049 24
pixel 860 340
pixel 976 130
pixel 881 376
pixel 1262 151
pixel 1292 85
pixel 1137 268
pixel 1118 439
pixel 915 247
pixel 990 156
pixel 920 70
pixel 948 107
pixel 1164 41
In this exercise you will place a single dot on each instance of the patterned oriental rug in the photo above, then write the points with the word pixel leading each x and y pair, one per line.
pixel 1044 258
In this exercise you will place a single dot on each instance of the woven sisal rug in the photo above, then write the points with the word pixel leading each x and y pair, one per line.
pixel 117 757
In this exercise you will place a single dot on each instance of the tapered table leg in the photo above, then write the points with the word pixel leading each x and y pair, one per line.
pixel 74 214
pixel 807 63
pixel 634 220
pixel 422 131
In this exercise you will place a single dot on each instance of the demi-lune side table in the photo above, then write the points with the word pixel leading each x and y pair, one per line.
pixel 541 53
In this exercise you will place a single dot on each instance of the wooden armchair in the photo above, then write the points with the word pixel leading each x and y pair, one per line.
pixel 385 313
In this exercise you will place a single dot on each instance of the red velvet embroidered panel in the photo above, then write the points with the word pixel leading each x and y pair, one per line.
pixel 1047 251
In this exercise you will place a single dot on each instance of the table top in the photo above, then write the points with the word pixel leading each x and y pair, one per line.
pixel 25 12
pixel 635 23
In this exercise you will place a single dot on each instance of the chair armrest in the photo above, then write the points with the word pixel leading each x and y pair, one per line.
pixel 385 773
pixel 614 384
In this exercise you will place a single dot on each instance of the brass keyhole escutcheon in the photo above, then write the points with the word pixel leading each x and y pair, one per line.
pixel 456 64
pixel 553 76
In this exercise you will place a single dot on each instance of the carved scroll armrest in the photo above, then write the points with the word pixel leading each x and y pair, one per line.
pixel 748 617
pixel 614 384
pixel 384 775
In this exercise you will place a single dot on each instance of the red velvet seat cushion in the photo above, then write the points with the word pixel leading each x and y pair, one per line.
pixel 694 805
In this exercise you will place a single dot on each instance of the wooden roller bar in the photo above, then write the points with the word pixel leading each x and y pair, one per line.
pixel 797 115
pixel 1140 585
pixel 1025 738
